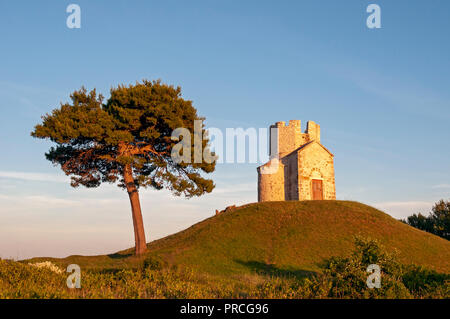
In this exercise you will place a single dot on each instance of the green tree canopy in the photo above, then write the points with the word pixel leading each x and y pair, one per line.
pixel 438 221
pixel 127 140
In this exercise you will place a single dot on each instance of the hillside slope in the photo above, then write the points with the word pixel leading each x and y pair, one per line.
pixel 292 237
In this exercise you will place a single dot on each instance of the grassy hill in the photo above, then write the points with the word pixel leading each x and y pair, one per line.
pixel 281 237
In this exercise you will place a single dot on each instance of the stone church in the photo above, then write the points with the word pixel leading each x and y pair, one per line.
pixel 301 169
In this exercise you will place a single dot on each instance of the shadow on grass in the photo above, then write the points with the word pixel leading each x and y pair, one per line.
pixel 272 270
pixel 119 256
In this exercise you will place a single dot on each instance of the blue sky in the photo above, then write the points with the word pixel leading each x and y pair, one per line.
pixel 381 97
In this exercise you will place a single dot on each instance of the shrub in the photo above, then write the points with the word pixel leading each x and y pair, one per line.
pixel 342 277
pixel 348 276
pixel 154 262
pixel 438 221
pixel 426 283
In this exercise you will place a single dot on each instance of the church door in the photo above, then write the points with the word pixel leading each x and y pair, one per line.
pixel 317 190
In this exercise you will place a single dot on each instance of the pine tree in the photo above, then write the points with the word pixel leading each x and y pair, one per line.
pixel 128 141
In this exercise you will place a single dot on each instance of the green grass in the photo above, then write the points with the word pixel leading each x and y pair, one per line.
pixel 276 238
pixel 263 250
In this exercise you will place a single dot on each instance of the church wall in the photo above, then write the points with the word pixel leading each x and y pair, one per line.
pixel 290 137
pixel 271 185
pixel 314 162
pixel 291 176
pixel 293 179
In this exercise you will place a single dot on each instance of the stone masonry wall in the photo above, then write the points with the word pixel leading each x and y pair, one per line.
pixel 315 162
pixel 293 179
pixel 291 176
pixel 271 186
pixel 290 137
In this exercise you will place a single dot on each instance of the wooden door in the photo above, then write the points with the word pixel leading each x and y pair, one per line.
pixel 317 190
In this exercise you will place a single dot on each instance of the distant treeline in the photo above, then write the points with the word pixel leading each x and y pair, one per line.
pixel 437 222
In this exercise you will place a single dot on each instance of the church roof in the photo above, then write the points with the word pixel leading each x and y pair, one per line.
pixel 301 148
pixel 269 162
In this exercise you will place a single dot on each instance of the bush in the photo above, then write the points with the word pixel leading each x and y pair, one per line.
pixel 348 276
pixel 154 262
pixel 438 222
pixel 426 283
pixel 342 277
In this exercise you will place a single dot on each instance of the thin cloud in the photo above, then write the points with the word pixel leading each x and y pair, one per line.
pixel 51 200
pixel 404 94
pixel 404 204
pixel 38 177
pixel 440 186
pixel 25 201
pixel 230 189
pixel 404 209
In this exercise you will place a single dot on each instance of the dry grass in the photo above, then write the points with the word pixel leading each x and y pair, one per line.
pixel 265 250
pixel 281 238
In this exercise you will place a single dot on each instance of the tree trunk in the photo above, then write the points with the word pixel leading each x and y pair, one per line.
pixel 138 222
